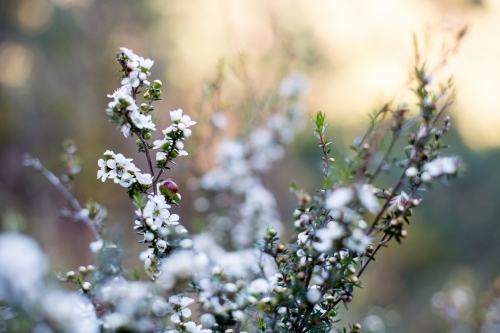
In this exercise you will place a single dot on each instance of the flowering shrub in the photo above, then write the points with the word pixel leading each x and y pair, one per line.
pixel 267 283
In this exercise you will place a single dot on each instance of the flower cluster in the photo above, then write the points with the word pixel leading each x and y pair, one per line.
pixel 241 164
pixel 124 109
pixel 269 284
pixel 172 144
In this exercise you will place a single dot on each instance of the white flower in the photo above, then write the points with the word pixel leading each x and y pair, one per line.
pixel 161 144
pixel 176 115
pixel 161 245
pixel 313 295
pixel 23 265
pixel 156 209
pixel 367 197
pixel 145 254
pixel 118 166
pixel 161 156
pixel 422 132
pixel 96 246
pixel 125 180
pixel 411 172
pixel 358 241
pixel 179 304
pixel 144 178
pixel 132 79
pixel 327 235
pixel 142 121
pixel 149 236
pixel 399 202
pixel 339 198
pixel 146 63
pixel 129 53
pixel 186 120
pixel 103 173
pixel 207 320
pixel 191 327
pixel 442 165
pixel 69 312
pixel 160 307
pixel 258 286
pixel 168 130
pixel 126 129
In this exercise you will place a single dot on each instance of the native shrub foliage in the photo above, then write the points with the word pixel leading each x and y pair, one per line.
pixel 265 282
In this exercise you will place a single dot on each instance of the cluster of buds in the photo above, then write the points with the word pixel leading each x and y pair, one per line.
pixel 79 278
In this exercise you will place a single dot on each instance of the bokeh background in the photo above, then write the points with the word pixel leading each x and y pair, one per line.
pixel 57 65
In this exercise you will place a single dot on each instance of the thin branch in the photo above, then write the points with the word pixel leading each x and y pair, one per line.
pixel 56 182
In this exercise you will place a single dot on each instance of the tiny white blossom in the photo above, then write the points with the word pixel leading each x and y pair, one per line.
pixel 358 241
pixel 144 178
pixel 96 246
pixel 179 304
pixel 399 202
pixel 411 172
pixel 207 320
pixel 161 156
pixel 327 235
pixel 132 79
pixel 367 197
pixel 126 129
pixel 176 115
pixel 142 121
pixel 339 198
pixel 313 295
pixel 442 165
pixel 146 63
pixel 186 120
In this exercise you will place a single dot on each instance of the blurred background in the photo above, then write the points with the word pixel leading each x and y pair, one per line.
pixel 58 65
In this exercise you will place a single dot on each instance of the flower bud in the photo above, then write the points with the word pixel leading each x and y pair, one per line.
pixel 168 188
pixel 86 285
pixel 179 145
pixel 82 269
pixel 271 232
pixel 357 326
pixel 411 172
pixel 187 133
pixel 90 268
pixel 157 84
pixel 149 236
pixel 70 274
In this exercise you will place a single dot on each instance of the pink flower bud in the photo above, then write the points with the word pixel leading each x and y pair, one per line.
pixel 169 188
